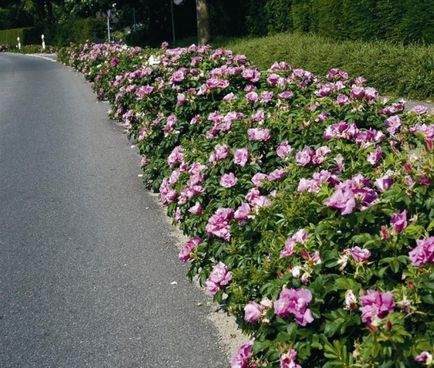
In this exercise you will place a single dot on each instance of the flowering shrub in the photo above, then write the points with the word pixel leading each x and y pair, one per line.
pixel 309 202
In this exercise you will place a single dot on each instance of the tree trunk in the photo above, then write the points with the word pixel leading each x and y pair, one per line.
pixel 202 22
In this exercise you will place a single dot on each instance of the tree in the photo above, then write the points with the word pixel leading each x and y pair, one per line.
pixel 202 22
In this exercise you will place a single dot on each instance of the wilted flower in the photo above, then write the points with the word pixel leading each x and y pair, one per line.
pixel 425 358
pixel 350 300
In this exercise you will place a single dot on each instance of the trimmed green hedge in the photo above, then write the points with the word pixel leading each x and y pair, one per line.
pixel 405 21
pixel 9 36
pixel 392 68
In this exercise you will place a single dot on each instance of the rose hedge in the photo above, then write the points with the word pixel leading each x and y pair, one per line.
pixel 308 201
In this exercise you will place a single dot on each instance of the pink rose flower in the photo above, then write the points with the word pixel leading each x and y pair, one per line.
pixel 399 221
pixel 218 224
pixel 176 156
pixel 383 183
pixel 219 276
pixel 376 305
pixel 242 357
pixel 220 153
pixel 252 312
pixel 196 209
pixel 284 149
pixel 419 110
pixel 375 157
pixel 228 180
pixel 295 302
pixel 286 95
pixel 258 134
pixel 393 123
pixel 242 213
pixel 304 157
pixel 252 97
pixel 258 178
pixel 287 360
pixel 185 253
pixel 423 253
pixel 277 175
pixel 359 254
pixel 241 156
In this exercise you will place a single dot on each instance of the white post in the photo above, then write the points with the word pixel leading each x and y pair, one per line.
pixel 18 43
pixel 43 42
pixel 108 24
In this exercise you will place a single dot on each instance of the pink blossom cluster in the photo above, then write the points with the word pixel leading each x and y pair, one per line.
pixel 242 358
pixel 218 224
pixel 185 253
pixel 318 179
pixel 309 155
pixel 219 276
pixel 376 305
pixel 287 360
pixel 294 302
pixel 300 237
pixel 423 253
pixel 351 194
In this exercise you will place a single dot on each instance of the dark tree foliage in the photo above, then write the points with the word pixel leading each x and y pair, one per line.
pixel 401 21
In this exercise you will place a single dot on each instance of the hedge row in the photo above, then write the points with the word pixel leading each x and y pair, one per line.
pixel 9 36
pixel 394 69
pixel 33 49
pixel 308 201
pixel 406 21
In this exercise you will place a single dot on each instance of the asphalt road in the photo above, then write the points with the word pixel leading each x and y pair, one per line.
pixel 86 259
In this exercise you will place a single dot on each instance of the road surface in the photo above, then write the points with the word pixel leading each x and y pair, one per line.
pixel 86 259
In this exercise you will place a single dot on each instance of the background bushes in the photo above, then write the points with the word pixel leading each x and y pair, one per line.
pixel 394 69
pixel 26 35
pixel 405 21
pixel 79 30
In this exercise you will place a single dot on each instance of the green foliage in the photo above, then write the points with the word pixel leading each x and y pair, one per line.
pixel 278 15
pixel 368 289
pixel 79 30
pixel 34 49
pixel 9 36
pixel 392 68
